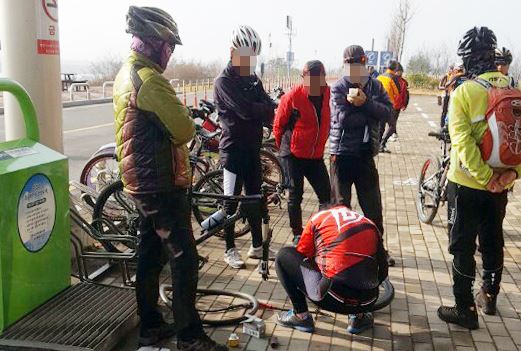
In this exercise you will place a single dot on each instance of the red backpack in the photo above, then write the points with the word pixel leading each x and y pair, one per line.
pixel 501 143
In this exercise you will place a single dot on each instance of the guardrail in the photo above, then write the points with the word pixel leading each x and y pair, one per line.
pixel 105 84
pixel 200 88
pixel 73 87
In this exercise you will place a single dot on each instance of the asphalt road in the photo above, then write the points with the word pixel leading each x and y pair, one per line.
pixel 86 128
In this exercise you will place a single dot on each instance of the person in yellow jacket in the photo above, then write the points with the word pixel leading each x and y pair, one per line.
pixel 477 193
pixel 391 85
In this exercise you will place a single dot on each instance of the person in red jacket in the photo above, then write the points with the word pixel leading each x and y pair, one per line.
pixel 338 264
pixel 301 129
pixel 404 89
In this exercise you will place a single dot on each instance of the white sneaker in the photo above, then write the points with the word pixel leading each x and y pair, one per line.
pixel 233 258
pixel 256 253
pixel 393 137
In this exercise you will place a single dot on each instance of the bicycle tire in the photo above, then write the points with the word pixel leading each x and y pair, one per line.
pixel 385 297
pixel 254 304
pixel 89 166
pixel 426 215
pixel 272 171
pixel 270 146
pixel 215 179
pixel 99 213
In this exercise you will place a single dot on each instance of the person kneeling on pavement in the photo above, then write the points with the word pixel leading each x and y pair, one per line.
pixel 338 264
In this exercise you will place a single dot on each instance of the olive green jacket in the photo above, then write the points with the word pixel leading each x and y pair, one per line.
pixel 152 128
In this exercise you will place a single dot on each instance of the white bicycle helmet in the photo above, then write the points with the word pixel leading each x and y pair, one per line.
pixel 246 36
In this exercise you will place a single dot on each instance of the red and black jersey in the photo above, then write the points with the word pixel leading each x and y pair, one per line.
pixel 346 246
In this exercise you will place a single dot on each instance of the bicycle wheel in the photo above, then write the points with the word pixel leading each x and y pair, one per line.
pixel 100 170
pixel 231 302
pixel 270 146
pixel 204 207
pixel 116 206
pixel 429 188
pixel 272 173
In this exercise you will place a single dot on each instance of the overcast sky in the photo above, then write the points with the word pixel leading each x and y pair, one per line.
pixel 93 29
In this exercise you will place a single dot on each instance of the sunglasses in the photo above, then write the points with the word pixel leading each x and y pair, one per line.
pixel 361 60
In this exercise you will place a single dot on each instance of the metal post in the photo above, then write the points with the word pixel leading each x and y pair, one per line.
pixel 30 55
pixel 195 94
pixel 105 84
pixel 184 93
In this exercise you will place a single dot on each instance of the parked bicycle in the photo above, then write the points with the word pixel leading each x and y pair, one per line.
pixel 120 245
pixel 432 182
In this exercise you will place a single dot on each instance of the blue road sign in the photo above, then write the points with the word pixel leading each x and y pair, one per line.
pixel 385 57
pixel 372 58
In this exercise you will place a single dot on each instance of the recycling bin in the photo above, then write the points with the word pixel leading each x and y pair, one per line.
pixel 35 260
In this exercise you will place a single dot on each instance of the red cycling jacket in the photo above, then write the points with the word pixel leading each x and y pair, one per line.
pixel 309 136
pixel 346 247
pixel 402 100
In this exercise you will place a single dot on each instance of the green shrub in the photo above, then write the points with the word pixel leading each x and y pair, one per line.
pixel 422 81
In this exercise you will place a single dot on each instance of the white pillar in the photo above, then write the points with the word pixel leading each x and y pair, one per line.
pixel 30 55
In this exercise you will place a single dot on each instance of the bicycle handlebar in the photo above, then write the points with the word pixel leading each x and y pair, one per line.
pixel 237 198
pixel 444 135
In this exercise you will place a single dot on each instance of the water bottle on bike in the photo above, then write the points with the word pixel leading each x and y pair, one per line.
pixel 214 220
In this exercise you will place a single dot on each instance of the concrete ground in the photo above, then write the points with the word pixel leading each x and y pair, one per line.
pixel 422 276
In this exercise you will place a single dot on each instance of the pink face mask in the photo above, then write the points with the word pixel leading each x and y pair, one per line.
pixel 164 57
pixel 156 50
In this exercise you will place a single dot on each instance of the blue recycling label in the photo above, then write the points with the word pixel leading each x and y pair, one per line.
pixel 36 212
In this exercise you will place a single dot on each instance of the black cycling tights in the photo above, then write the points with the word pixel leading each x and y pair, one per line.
pixel 242 169
pixel 302 279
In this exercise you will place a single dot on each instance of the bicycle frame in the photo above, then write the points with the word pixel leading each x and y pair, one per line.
pixel 237 216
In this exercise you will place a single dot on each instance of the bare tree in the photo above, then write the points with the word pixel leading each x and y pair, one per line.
pixel 399 26
pixel 419 63
pixel 440 59
pixel 192 70
pixel 105 69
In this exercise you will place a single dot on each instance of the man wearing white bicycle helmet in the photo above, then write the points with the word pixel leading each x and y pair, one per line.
pixel 244 108
pixel 152 129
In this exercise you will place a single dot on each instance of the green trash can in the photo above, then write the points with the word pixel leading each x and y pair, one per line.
pixel 35 262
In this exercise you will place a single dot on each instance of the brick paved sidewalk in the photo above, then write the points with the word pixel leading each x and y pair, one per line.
pixel 421 277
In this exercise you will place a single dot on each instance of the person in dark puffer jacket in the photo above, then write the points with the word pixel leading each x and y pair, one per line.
pixel 359 104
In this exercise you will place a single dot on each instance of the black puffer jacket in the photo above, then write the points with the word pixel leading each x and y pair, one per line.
pixel 355 131
pixel 243 107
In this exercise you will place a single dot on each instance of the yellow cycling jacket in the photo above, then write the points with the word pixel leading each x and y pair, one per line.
pixel 389 85
pixel 467 124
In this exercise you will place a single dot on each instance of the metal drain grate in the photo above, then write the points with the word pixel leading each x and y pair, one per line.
pixel 84 317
